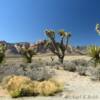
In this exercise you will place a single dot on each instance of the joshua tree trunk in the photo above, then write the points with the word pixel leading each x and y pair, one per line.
pixel 61 59
pixel 58 47
pixel 28 59
pixel 2 56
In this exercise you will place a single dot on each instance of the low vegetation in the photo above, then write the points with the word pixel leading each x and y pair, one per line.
pixel 19 86
pixel 94 52
pixel 35 70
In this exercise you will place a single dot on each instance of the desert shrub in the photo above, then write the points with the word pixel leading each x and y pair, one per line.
pixel 34 70
pixel 90 71
pixel 81 70
pixel 16 84
pixel 47 88
pixel 10 69
pixel 12 82
pixel 5 80
pixel 70 66
pixel 58 47
pixel 94 52
pixel 39 72
pixel 2 52
pixel 59 83
pixel 81 66
pixel 94 73
pixel 19 86
pixel 80 62
pixel 54 65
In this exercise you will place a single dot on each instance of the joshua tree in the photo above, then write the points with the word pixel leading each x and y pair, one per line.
pixel 94 52
pixel 58 47
pixel 27 51
pixel 2 52
pixel 98 28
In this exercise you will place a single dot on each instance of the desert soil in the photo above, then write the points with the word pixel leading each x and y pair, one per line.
pixel 76 87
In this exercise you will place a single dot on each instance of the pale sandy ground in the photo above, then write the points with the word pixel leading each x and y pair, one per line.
pixel 76 87
pixel 47 57
pixel 79 87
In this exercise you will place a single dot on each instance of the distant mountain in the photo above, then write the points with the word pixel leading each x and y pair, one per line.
pixel 41 48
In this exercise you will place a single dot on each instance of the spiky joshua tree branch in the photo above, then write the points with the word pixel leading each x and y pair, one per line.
pixel 58 47
pixel 26 51
pixel 2 52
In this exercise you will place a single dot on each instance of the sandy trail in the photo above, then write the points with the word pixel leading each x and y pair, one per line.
pixel 79 87
pixel 3 93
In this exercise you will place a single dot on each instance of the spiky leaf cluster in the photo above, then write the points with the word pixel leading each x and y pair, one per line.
pixel 94 52
pixel 58 47
pixel 27 51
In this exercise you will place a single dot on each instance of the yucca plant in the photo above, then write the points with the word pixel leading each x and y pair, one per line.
pixel 27 52
pixel 59 46
pixel 94 52
pixel 2 52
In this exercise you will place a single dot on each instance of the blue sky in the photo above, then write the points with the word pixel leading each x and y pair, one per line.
pixel 26 20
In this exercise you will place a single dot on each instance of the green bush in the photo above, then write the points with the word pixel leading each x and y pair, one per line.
pixel 94 52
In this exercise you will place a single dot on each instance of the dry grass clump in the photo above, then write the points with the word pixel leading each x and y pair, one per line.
pixel 49 87
pixel 59 83
pixel 19 86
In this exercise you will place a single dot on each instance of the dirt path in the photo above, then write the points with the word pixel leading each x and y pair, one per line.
pixel 79 87
pixel 3 93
